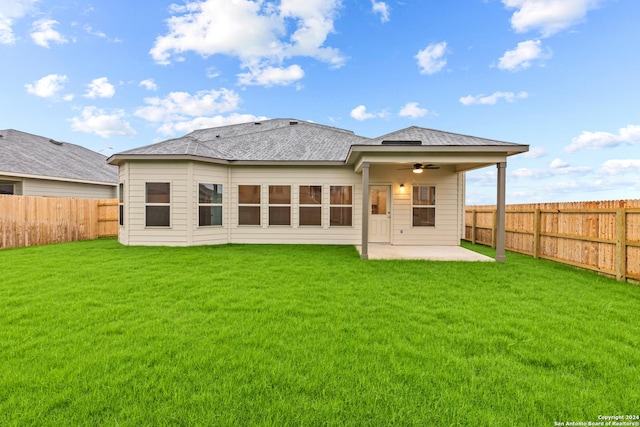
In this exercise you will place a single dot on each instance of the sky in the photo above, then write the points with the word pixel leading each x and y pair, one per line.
pixel 562 76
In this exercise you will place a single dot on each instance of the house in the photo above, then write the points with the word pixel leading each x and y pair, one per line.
pixel 291 181
pixel 32 165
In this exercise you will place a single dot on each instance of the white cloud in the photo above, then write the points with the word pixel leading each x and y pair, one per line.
pixel 256 32
pixel 621 166
pixel 207 122
pixel 360 113
pixel 100 88
pixel 493 98
pixel 548 16
pixel 42 33
pixel 629 135
pixel 184 112
pixel 270 76
pixel 534 153
pixel 48 86
pixel 558 163
pixel 10 10
pixel 430 59
pixel 413 110
pixel 522 56
pixel 556 168
pixel 96 121
pixel 149 84
pixel 382 9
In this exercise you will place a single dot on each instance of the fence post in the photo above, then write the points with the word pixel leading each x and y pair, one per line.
pixel 474 219
pixel 536 233
pixel 621 244
pixel 494 226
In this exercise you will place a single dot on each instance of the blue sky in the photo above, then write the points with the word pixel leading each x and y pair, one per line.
pixel 559 75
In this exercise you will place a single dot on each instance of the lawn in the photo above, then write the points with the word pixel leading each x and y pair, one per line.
pixel 95 333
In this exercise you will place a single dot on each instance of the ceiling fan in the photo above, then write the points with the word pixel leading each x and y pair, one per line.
pixel 419 167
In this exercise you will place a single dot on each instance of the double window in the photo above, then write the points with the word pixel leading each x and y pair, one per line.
pixel 209 204
pixel 310 205
pixel 279 205
pixel 341 205
pixel 424 206
pixel 249 205
pixel 158 204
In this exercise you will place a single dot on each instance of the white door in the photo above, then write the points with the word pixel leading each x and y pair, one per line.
pixel 380 214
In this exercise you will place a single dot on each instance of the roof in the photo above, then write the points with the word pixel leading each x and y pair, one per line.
pixel 22 153
pixel 433 137
pixel 293 140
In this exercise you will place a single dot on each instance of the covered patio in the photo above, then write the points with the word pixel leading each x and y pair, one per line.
pixel 427 253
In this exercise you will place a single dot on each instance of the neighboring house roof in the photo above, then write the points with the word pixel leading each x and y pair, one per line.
pixel 293 140
pixel 24 154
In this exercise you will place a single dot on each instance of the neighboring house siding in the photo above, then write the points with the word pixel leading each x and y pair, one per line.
pixel 403 232
pixel 41 187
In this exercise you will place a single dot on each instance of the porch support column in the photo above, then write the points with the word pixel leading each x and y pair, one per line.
pixel 500 212
pixel 364 253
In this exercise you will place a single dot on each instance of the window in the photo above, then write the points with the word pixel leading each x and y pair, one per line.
pixel 158 208
pixel 279 205
pixel 424 206
pixel 310 205
pixel 7 189
pixel 340 205
pixel 249 205
pixel 121 204
pixel 209 204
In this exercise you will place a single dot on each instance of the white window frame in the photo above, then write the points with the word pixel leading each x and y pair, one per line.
pixel 279 205
pixel 212 204
pixel 258 205
pixel 148 204
pixel 331 205
pixel 433 206
pixel 319 206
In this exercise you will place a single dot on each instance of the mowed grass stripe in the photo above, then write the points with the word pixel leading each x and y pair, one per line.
pixel 95 333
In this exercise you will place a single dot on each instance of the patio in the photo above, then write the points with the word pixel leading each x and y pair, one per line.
pixel 431 253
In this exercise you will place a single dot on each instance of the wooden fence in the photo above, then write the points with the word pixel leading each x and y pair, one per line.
pixel 30 221
pixel 600 236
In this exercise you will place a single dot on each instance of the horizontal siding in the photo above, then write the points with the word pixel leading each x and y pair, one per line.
pixel 403 232
pixel 185 177
pixel 295 176
pixel 42 187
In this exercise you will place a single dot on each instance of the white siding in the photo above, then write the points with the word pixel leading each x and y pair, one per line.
pixel 43 187
pixel 138 174
pixel 185 177
pixel 296 176
pixel 403 232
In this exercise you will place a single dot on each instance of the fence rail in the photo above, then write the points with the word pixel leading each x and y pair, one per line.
pixel 599 236
pixel 30 220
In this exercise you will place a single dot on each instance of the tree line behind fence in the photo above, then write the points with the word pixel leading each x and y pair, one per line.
pixel 602 236
pixel 30 221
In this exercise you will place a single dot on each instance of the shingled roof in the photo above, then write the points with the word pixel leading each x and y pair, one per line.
pixel 291 140
pixel 22 153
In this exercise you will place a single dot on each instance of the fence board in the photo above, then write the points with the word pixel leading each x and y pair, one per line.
pixel 602 236
pixel 30 221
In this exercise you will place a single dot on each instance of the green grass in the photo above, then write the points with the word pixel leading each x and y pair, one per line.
pixel 95 333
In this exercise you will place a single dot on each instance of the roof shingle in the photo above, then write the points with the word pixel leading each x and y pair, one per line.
pixel 27 154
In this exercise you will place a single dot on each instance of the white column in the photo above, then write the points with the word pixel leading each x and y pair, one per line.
pixel 364 254
pixel 500 212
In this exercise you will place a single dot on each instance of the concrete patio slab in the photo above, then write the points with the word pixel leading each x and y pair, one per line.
pixel 432 253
